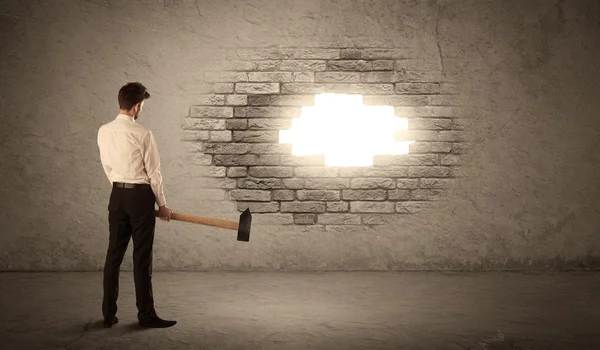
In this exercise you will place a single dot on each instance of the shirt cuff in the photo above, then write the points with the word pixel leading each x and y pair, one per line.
pixel 161 201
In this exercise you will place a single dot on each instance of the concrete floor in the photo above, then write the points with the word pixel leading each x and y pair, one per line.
pixel 313 310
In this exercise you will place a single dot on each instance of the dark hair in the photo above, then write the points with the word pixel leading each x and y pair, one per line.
pixel 132 94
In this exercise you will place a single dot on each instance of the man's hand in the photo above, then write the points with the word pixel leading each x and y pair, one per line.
pixel 164 213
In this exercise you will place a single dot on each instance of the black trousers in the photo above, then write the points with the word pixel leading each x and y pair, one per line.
pixel 130 215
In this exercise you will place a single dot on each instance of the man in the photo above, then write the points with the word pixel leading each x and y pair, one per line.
pixel 129 156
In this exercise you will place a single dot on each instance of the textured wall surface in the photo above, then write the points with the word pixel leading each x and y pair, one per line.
pixel 521 78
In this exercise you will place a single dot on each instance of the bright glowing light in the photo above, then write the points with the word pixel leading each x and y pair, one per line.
pixel 345 131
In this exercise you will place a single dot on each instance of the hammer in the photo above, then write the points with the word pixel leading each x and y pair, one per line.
pixel 243 227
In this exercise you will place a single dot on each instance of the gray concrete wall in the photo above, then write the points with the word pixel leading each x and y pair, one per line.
pixel 524 195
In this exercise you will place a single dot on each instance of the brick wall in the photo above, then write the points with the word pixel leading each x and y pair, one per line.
pixel 248 95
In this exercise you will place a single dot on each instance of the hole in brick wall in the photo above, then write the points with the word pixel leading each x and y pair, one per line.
pixel 345 131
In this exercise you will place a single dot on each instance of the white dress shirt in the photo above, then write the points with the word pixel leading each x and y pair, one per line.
pixel 128 153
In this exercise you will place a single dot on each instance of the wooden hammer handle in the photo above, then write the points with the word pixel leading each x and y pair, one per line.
pixel 232 225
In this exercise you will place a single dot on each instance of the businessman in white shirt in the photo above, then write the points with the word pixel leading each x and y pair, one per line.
pixel 129 157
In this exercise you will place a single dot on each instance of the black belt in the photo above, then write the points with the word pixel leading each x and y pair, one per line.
pixel 128 185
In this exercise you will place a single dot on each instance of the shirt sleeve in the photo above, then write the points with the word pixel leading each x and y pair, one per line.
pixel 102 160
pixel 152 167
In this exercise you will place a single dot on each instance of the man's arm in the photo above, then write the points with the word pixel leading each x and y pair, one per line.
pixel 103 161
pixel 152 167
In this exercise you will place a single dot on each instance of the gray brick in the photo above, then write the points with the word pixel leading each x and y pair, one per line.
pixel 316 171
pixel 293 183
pixel 349 171
pixel 407 183
pixel 430 124
pixel 232 160
pixel 269 124
pixel 257 88
pixel 267 112
pixel 211 112
pixel 259 100
pixel 267 65
pixel 326 183
pixel 223 148
pixel 383 65
pixel 398 195
pixel 417 88
pixel 303 207
pixel 366 195
pixel 318 195
pixel 396 100
pixel 265 53
pixel 303 77
pixel 337 207
pixel 213 182
pixel 255 136
pixel 389 171
pixel 406 159
pixel 304 65
pixel 203 124
pixel 423 76
pixel 303 88
pixel 351 54
pixel 349 65
pixel 449 159
pixel 428 171
pixel 250 195
pixel 198 159
pixel 262 77
pixel 418 65
pixel 207 171
pixel 236 100
pixel 223 88
pixel 387 53
pixel 435 183
pixel 378 219
pixel 268 159
pixel 271 148
pixel 447 100
pixel 236 124
pixel 371 207
pixel 461 148
pixel 337 77
pixel 214 206
pixel 305 219
pixel 303 160
pixel 462 123
pixel 293 100
pixel 283 195
pixel 339 219
pixel 259 207
pixel 193 147
pixel 220 136
pixel 381 77
pixel 360 88
pixel 456 136
pixel 430 147
pixel 241 66
pixel 271 171
pixel 426 111
pixel 272 219
pixel 237 171
pixel 210 100
pixel 193 135
pixel 425 194
pixel 259 184
pixel 225 77
pixel 372 183
pixel 316 53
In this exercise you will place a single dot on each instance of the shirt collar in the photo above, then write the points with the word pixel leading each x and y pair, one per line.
pixel 125 117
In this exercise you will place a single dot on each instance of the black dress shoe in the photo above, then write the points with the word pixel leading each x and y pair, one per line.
pixel 156 322
pixel 108 322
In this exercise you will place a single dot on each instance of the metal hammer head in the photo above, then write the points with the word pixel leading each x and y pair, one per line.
pixel 244 226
